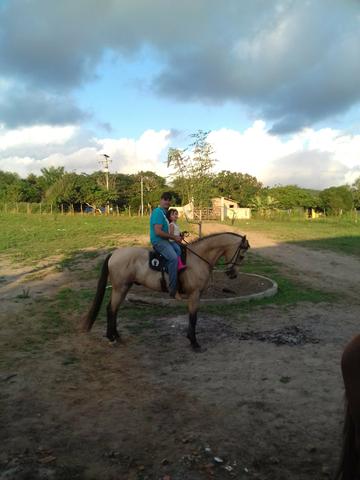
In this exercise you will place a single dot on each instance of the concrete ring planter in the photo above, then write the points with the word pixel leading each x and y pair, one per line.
pixel 269 289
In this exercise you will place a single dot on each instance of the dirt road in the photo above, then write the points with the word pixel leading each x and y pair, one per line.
pixel 322 269
pixel 264 400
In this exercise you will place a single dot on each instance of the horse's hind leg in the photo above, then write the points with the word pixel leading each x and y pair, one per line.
pixel 117 297
pixel 193 305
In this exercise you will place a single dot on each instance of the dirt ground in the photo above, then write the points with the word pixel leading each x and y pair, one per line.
pixel 263 401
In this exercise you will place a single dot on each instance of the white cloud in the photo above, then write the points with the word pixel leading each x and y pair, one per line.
pixel 32 136
pixel 130 155
pixel 311 158
pixel 127 155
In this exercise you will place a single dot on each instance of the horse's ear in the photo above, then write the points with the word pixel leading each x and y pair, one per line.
pixel 244 238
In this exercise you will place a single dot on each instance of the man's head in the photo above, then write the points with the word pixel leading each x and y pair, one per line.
pixel 165 200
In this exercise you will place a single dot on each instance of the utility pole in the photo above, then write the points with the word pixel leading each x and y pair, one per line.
pixel 105 163
pixel 142 195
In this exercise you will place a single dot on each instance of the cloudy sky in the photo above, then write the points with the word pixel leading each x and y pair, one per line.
pixel 277 83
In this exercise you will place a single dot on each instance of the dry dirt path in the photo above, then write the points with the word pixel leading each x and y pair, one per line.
pixel 325 270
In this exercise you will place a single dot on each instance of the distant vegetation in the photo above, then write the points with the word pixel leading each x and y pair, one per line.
pixel 192 178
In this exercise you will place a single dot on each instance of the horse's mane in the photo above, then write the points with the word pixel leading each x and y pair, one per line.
pixel 198 240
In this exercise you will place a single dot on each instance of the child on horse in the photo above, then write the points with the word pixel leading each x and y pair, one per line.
pixel 174 229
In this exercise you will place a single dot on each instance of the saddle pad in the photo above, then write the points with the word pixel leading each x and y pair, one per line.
pixel 156 261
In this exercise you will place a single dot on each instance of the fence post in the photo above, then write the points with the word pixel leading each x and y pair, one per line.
pixel 28 208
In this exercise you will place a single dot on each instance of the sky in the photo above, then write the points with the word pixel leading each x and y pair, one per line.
pixel 277 84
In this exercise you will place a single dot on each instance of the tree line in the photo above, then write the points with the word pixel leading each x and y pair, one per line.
pixel 192 179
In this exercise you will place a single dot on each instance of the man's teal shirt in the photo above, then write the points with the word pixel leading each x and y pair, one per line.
pixel 158 216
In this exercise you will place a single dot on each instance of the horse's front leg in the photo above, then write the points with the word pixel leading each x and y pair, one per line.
pixel 117 297
pixel 193 306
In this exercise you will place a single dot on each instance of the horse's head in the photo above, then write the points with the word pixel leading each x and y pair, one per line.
pixel 235 255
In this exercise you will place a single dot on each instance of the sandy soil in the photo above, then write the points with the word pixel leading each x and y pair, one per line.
pixel 256 404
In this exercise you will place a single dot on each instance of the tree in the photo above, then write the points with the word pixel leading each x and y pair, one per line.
pixel 355 188
pixel 292 196
pixel 193 173
pixel 181 164
pixel 203 164
pixel 153 186
pixel 336 200
pixel 10 187
pixel 49 176
pixel 264 203
pixel 239 186
pixel 30 189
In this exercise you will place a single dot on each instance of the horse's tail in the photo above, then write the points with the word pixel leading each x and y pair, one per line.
pixel 348 465
pixel 90 317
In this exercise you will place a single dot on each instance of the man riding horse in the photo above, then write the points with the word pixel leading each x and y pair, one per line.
pixel 160 239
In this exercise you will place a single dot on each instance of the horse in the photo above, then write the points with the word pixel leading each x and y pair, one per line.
pixel 130 265
pixel 349 465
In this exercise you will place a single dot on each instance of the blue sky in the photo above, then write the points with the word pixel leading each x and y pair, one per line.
pixel 277 83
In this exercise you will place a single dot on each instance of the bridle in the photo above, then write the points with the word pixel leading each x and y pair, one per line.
pixel 236 259
pixel 244 246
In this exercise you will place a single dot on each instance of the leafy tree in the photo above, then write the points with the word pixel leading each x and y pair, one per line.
pixel 10 187
pixel 292 196
pixel 264 203
pixel 239 186
pixel 193 173
pixel 336 200
pixel 182 179
pixel 123 185
pixel 356 192
pixel 30 189
pixel 49 176
pixel 202 166
pixel 153 186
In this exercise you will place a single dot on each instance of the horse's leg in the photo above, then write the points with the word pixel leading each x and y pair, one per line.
pixel 117 297
pixel 193 306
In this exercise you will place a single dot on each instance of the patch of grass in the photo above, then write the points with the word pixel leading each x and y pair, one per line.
pixel 30 238
pixel 334 233
pixel 70 360
pixel 24 294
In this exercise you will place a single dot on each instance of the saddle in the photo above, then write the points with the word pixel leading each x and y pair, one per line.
pixel 158 263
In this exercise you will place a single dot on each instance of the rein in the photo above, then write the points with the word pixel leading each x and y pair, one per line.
pixel 199 256
pixel 232 262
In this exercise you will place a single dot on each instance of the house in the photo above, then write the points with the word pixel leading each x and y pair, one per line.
pixel 229 208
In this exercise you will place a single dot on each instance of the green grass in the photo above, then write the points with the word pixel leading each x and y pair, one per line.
pixel 30 238
pixel 335 234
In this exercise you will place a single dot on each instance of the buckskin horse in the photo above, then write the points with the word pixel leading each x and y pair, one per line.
pixel 129 265
pixel 349 466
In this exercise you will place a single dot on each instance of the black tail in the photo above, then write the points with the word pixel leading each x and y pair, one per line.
pixel 89 319
pixel 349 461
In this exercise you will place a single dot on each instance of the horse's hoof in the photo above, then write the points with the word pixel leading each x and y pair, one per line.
pixel 197 348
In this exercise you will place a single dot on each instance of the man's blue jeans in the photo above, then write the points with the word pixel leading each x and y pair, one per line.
pixel 166 250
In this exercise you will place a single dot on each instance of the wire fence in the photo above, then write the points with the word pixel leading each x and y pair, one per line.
pixel 64 209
